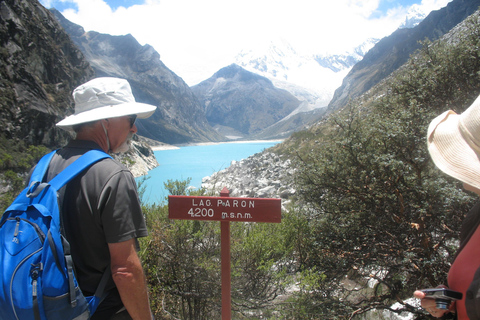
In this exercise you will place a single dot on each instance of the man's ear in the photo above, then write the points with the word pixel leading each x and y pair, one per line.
pixel 106 123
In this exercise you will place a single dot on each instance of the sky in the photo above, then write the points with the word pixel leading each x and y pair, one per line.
pixel 196 38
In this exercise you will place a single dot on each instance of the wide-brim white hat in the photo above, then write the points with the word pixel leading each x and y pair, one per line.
pixel 454 144
pixel 103 98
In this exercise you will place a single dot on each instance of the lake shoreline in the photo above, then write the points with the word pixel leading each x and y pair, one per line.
pixel 200 160
pixel 178 146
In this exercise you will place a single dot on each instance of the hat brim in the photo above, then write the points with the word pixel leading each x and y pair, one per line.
pixel 450 152
pixel 141 110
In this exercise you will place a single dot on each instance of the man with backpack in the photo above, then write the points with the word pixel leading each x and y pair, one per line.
pixel 101 211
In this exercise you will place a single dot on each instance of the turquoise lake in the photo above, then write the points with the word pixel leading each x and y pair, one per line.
pixel 195 162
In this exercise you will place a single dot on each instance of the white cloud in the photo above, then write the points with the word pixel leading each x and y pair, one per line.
pixel 196 38
pixel 429 5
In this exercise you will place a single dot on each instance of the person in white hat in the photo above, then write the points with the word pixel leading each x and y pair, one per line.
pixel 101 211
pixel 454 146
pixel 108 99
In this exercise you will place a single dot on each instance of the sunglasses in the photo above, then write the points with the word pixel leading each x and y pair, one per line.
pixel 132 120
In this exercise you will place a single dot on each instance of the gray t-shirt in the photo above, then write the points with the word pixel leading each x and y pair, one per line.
pixel 100 206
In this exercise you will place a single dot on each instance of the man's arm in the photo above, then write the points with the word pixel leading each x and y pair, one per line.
pixel 127 273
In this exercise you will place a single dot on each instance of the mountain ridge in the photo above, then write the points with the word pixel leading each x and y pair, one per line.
pixel 179 118
pixel 240 102
pixel 393 51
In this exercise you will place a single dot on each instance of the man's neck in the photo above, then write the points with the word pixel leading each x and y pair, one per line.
pixel 95 134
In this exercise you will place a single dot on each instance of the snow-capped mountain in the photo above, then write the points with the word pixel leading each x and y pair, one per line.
pixel 346 60
pixel 414 16
pixel 310 78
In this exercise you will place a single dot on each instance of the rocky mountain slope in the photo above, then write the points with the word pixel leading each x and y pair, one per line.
pixel 263 175
pixel 241 104
pixel 393 51
pixel 179 117
pixel 39 68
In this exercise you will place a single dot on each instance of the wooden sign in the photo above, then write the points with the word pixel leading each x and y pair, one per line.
pixel 224 209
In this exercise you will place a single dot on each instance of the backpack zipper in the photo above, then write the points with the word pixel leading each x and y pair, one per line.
pixel 41 235
pixel 13 276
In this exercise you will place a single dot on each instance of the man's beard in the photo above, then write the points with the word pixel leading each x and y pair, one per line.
pixel 125 146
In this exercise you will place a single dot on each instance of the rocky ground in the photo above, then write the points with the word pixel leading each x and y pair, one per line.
pixel 139 159
pixel 263 175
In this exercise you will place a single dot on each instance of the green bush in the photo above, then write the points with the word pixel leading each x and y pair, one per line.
pixel 183 266
pixel 381 211
pixel 16 159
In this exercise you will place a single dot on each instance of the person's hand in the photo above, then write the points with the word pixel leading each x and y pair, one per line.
pixel 429 304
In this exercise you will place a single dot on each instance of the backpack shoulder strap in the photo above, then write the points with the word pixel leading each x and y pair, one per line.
pixel 41 167
pixel 59 181
pixel 76 167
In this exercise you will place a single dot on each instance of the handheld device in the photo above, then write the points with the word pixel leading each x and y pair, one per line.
pixel 443 297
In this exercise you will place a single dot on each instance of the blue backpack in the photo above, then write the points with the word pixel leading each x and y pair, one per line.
pixel 37 280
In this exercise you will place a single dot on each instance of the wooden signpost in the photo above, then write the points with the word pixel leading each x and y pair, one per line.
pixel 225 209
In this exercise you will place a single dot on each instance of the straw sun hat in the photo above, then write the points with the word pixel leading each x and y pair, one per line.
pixel 454 144
pixel 104 98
